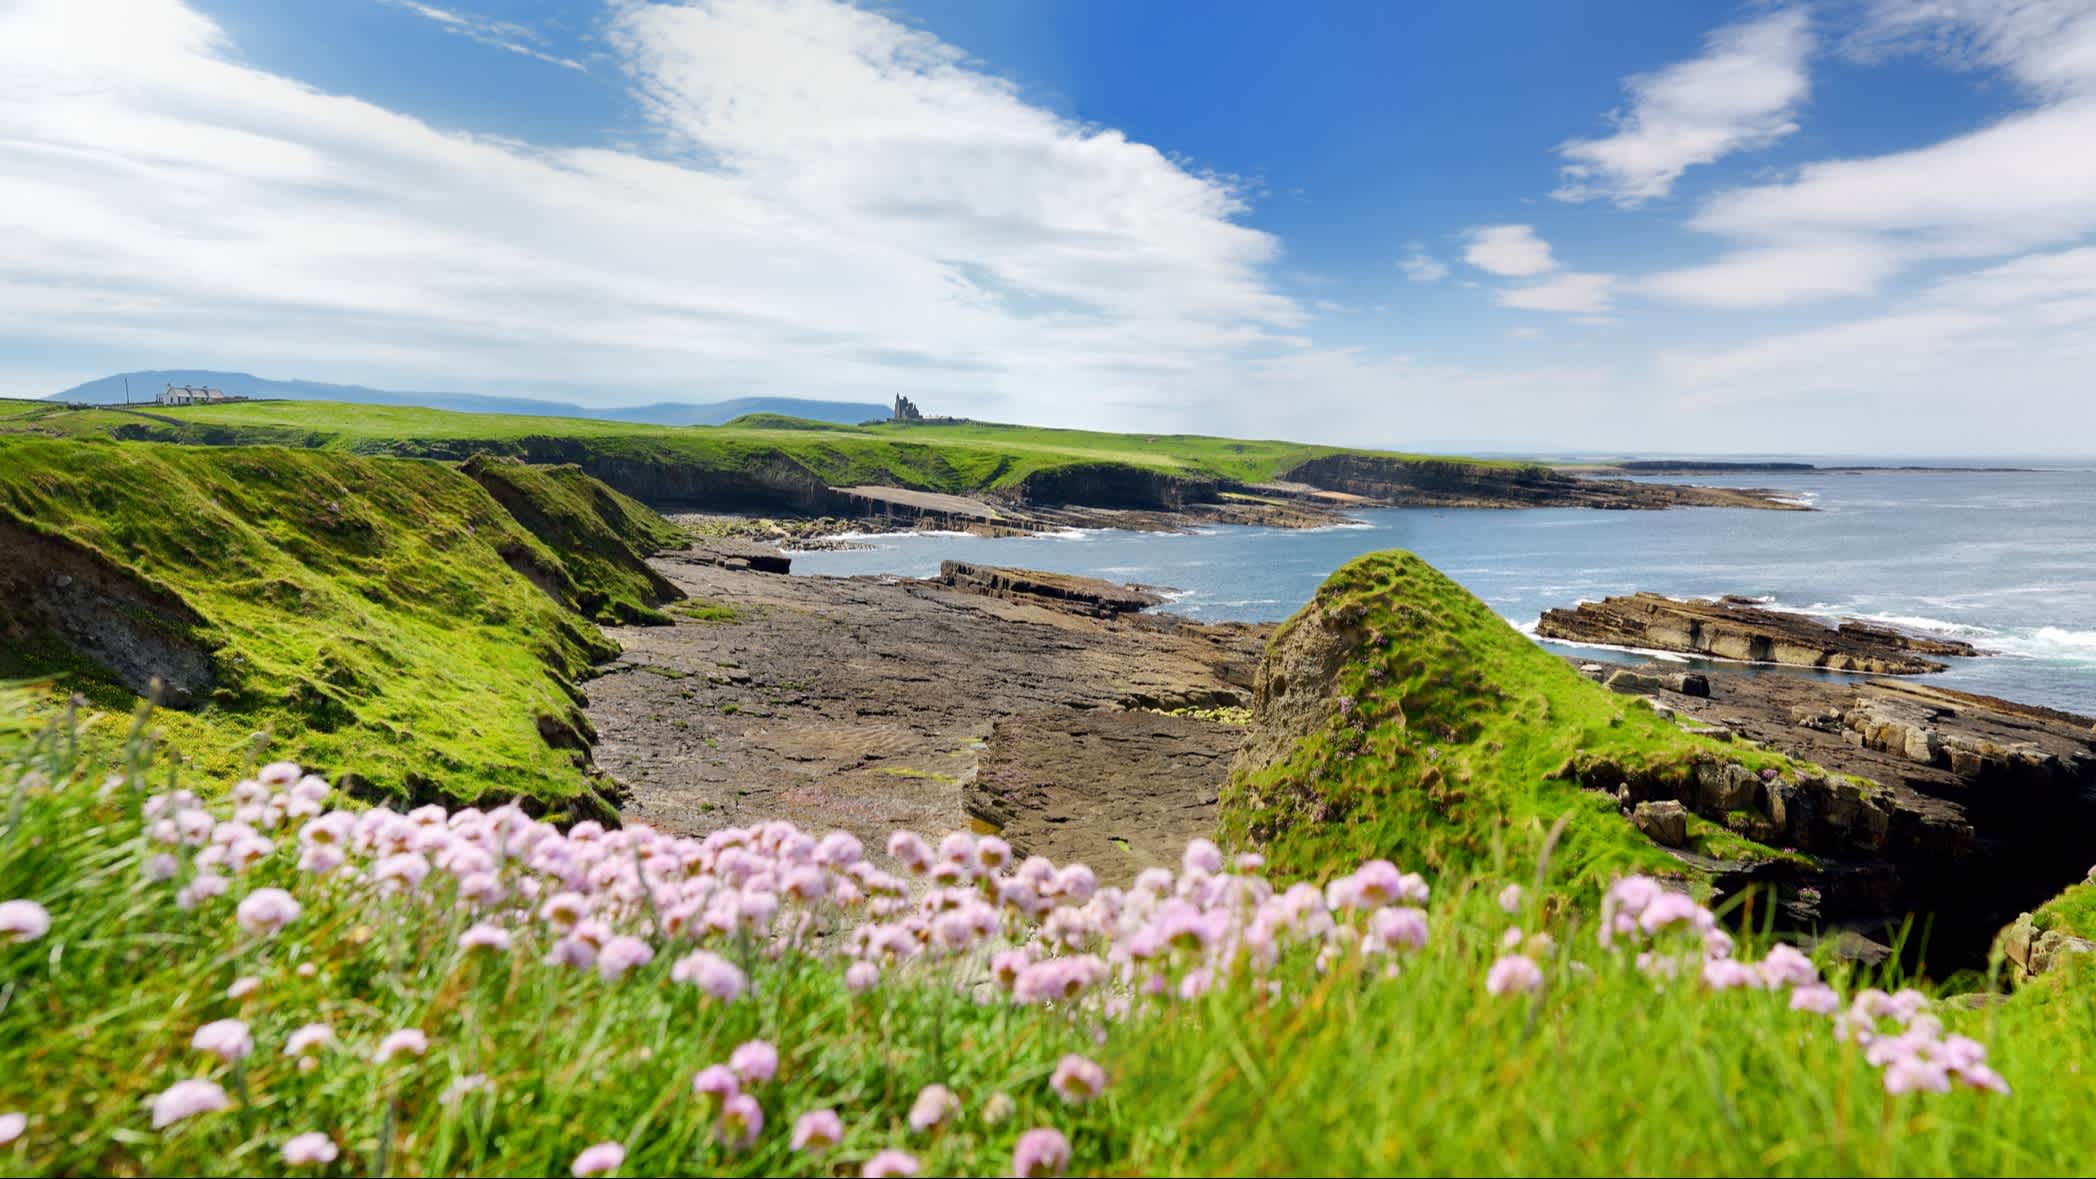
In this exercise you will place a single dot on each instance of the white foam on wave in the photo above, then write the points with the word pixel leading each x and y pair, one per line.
pixel 2052 644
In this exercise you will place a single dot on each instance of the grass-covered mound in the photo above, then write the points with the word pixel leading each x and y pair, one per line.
pixel 1398 716
pixel 602 538
pixel 385 619
pixel 254 983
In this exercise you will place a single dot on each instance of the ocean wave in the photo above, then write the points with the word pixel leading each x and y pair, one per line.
pixel 2052 644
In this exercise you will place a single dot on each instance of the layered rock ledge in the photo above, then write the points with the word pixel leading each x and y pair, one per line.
pixel 1734 628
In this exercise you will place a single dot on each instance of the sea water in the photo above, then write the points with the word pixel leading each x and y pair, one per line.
pixel 2005 560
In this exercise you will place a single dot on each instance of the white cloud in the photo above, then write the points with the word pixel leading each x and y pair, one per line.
pixel 1776 274
pixel 501 34
pixel 1743 93
pixel 1585 294
pixel 1420 266
pixel 1525 333
pixel 850 207
pixel 1510 251
pixel 2047 46
pixel 1999 356
pixel 1843 227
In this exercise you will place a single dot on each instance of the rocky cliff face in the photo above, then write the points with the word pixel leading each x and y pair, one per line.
pixel 1732 630
pixel 54 589
pixel 1444 483
pixel 1112 485
pixel 1976 809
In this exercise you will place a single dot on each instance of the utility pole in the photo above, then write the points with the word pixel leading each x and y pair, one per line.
pixel 127 390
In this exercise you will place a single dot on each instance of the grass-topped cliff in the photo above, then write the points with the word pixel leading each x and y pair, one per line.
pixel 949 457
pixel 386 619
pixel 1398 716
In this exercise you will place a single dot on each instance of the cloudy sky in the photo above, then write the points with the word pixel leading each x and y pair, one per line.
pixel 1845 226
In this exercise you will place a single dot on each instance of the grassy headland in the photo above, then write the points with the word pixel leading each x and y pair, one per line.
pixel 380 617
pixel 1402 717
pixel 955 458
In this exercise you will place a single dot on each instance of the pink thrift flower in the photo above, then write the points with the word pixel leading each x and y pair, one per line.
pixel 311 1149
pixel 1912 1073
pixel 711 973
pixel 934 1107
pixel 1041 1152
pixel 755 1062
pixel 1979 1076
pixel 861 975
pixel 1202 855
pixel 227 1039
pixel 1725 974
pixel 406 869
pixel 201 887
pixel 321 859
pixel 741 1121
pixel 598 1159
pixel 408 1040
pixel 186 1099
pixel 23 921
pixel 717 1081
pixel 1401 925
pixel 1510 899
pixel 571 951
pixel 913 853
pixel 818 1130
pixel 243 986
pixel 1785 966
pixel 266 910
pixel 1514 973
pixel 621 954
pixel 889 1164
pixel 1077 1080
pixel 11 1127
pixel 308 1038
pixel 483 936
pixel 279 774
pixel 1817 998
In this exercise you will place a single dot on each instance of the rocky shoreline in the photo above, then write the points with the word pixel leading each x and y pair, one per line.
pixel 791 509
pixel 1064 714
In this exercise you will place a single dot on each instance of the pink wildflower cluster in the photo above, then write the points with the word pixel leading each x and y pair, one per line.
pixel 1898 1035
pixel 637 907
pixel 1895 1031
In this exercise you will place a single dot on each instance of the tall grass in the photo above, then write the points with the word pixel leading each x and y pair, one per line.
pixel 1340 1051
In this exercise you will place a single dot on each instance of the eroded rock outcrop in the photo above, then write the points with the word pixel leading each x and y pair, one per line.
pixel 1732 629
pixel 1088 595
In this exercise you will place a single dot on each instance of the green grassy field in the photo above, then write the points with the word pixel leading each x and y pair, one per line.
pixel 954 458
pixel 1331 1056
pixel 382 618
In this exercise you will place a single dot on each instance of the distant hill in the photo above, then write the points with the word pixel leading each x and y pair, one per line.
pixel 145 385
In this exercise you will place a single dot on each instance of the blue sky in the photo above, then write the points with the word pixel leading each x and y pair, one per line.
pixel 1844 226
